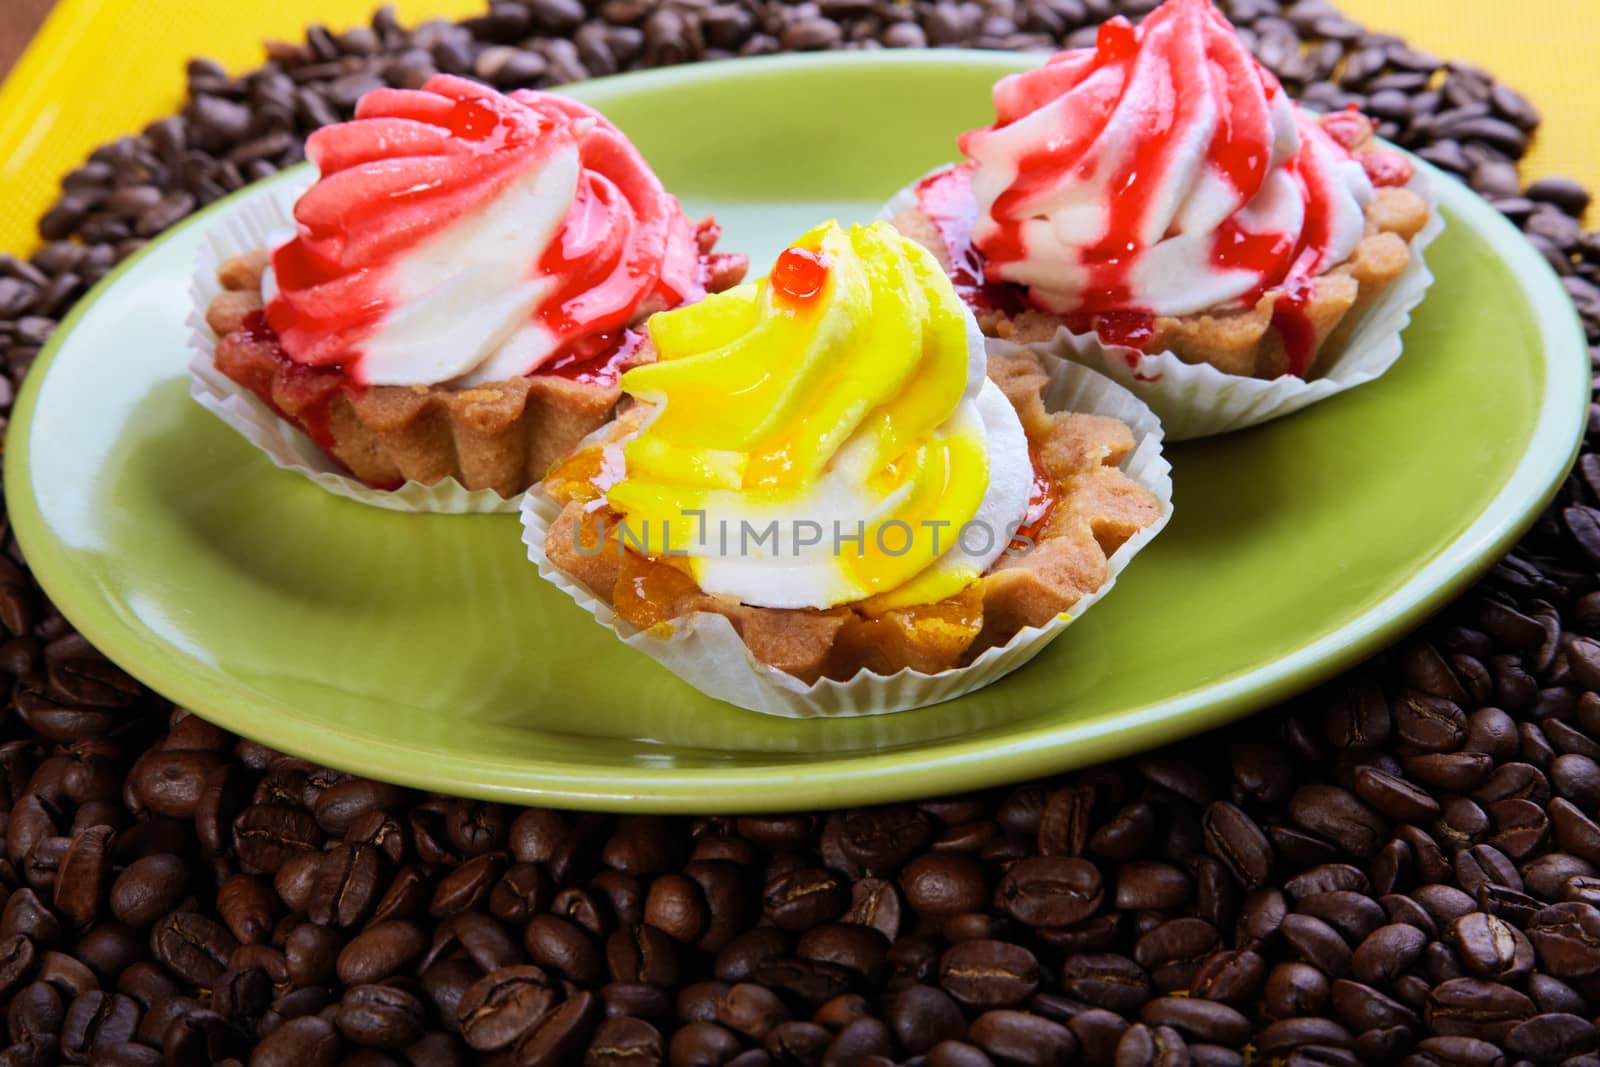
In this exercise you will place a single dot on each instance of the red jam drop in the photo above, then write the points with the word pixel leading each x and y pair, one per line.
pixel 799 274
pixel 1116 39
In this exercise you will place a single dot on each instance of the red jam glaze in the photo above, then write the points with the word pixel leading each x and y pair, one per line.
pixel 1043 496
pixel 312 389
pixel 799 275
pixel 1183 37
pixel 1290 320
pixel 598 359
pixel 945 197
pixel 1191 44
pixel 416 161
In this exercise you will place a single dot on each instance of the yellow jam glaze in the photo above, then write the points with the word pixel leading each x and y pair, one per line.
pixel 843 400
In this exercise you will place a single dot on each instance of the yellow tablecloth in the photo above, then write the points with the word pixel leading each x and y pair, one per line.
pixel 101 68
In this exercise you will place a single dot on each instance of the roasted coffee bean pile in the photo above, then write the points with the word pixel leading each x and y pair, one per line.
pixel 1403 868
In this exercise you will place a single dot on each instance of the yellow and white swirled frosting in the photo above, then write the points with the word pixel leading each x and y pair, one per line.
pixel 826 434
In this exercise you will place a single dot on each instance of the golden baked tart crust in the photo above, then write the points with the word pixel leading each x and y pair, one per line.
pixel 1096 509
pixel 499 435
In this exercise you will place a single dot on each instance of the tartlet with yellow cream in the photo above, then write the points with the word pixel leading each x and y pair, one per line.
pixel 827 464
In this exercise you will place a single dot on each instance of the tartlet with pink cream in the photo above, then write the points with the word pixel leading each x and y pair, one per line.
pixel 1160 194
pixel 463 285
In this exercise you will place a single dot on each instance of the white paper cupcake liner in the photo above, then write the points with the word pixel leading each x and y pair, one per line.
pixel 704 649
pixel 1198 400
pixel 260 220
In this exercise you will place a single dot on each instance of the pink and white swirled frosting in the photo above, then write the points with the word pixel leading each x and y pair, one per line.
pixel 1163 171
pixel 457 235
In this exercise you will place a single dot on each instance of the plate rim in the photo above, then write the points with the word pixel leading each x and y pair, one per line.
pixel 879 776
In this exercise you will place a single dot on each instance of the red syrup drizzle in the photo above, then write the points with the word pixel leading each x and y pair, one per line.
pixel 1239 150
pixel 1294 326
pixel 312 387
pixel 946 199
pixel 1043 496
pixel 598 359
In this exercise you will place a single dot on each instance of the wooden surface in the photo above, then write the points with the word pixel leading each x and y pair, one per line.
pixel 18 20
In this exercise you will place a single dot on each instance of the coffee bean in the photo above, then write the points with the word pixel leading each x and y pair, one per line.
pixel 1566 938
pixel 308 1041
pixel 1050 890
pixel 1198 1020
pixel 703 1044
pixel 564 948
pixel 1489 947
pixel 346 885
pixel 266 836
pixel 1232 976
pixel 921 1016
pixel 1106 980
pixel 242 995
pixel 1548 876
pixel 751 1010
pixel 676 907
pixel 1552 1037
pixel 1295 989
pixel 1363 1008
pixel 1354 915
pixel 944 883
pixel 148 888
pixel 1234 838
pixel 1064 825
pixel 193 947
pixel 1144 1046
pixel 989 974
pixel 379 952
pixel 1317 943
pixel 1173 951
pixel 1339 816
pixel 379 1016
pixel 1472 1007
pixel 504 1005
pixel 95 1019
pixel 36 1010
pixel 642 954
pixel 247 907
pixel 1022 1038
pixel 1153 886
pixel 1125 835
pixel 803 898
pixel 860 949
pixel 1286 1035
pixel 1387 952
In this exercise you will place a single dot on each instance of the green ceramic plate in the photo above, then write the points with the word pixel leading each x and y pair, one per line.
pixel 425 649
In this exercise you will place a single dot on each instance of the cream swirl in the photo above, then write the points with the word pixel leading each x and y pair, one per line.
pixel 457 235
pixel 1163 171
pixel 826 435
